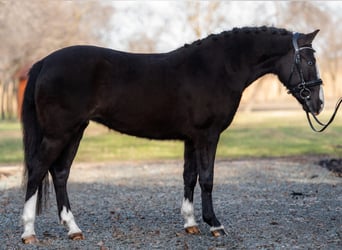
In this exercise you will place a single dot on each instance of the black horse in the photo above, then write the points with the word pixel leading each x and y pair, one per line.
pixel 189 94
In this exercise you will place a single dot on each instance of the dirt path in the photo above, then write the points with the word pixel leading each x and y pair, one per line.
pixel 264 204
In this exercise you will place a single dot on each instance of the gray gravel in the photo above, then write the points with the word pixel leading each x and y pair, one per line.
pixel 264 204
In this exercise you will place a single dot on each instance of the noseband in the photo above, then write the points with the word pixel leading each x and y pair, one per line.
pixel 303 88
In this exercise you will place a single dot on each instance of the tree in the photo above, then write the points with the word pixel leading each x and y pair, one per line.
pixel 204 17
pixel 31 29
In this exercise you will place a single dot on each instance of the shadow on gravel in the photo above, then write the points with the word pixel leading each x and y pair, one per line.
pixel 264 211
pixel 333 165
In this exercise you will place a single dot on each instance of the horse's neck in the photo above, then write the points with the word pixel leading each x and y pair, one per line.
pixel 265 57
pixel 245 57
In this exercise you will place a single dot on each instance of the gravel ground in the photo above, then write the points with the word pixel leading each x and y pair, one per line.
pixel 264 204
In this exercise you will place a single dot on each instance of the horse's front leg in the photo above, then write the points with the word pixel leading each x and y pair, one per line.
pixel 205 156
pixel 190 179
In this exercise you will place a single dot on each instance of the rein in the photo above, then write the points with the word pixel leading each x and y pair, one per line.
pixel 303 88
pixel 324 126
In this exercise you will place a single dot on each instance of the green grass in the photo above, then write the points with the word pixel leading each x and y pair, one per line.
pixel 111 146
pixel 11 150
pixel 258 134
pixel 265 134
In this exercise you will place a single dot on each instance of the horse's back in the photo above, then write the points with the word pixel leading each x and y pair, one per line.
pixel 127 92
pixel 147 95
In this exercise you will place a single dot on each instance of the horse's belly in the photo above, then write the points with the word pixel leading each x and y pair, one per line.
pixel 143 125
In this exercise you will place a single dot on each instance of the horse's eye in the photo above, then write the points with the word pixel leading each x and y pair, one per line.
pixel 310 63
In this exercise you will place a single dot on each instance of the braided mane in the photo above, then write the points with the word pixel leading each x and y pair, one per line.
pixel 239 31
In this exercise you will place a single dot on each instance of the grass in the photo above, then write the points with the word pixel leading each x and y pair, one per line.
pixel 257 134
pixel 10 143
pixel 267 134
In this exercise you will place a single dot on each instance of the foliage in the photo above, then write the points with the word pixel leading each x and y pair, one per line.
pixel 29 30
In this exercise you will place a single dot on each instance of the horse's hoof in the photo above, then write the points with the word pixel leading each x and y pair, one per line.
pixel 218 232
pixel 192 230
pixel 76 236
pixel 32 239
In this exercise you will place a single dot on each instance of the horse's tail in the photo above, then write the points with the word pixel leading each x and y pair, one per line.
pixel 32 133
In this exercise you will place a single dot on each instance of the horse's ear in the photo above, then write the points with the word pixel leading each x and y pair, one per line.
pixel 307 38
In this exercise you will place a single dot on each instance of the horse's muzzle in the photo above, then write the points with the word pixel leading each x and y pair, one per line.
pixel 312 107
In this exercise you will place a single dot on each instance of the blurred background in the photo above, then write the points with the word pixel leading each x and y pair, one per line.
pixel 29 30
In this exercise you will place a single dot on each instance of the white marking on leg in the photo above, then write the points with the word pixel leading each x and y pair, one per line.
pixel 29 215
pixel 187 212
pixel 67 219
pixel 216 228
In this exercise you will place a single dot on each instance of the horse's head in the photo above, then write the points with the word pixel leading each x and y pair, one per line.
pixel 299 73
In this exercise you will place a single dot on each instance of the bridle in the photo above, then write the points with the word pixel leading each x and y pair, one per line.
pixel 303 87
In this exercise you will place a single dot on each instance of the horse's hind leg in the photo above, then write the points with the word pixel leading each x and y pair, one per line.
pixel 60 172
pixel 37 168
pixel 190 179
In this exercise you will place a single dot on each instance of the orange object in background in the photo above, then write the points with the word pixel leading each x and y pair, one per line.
pixel 20 95
pixel 22 76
